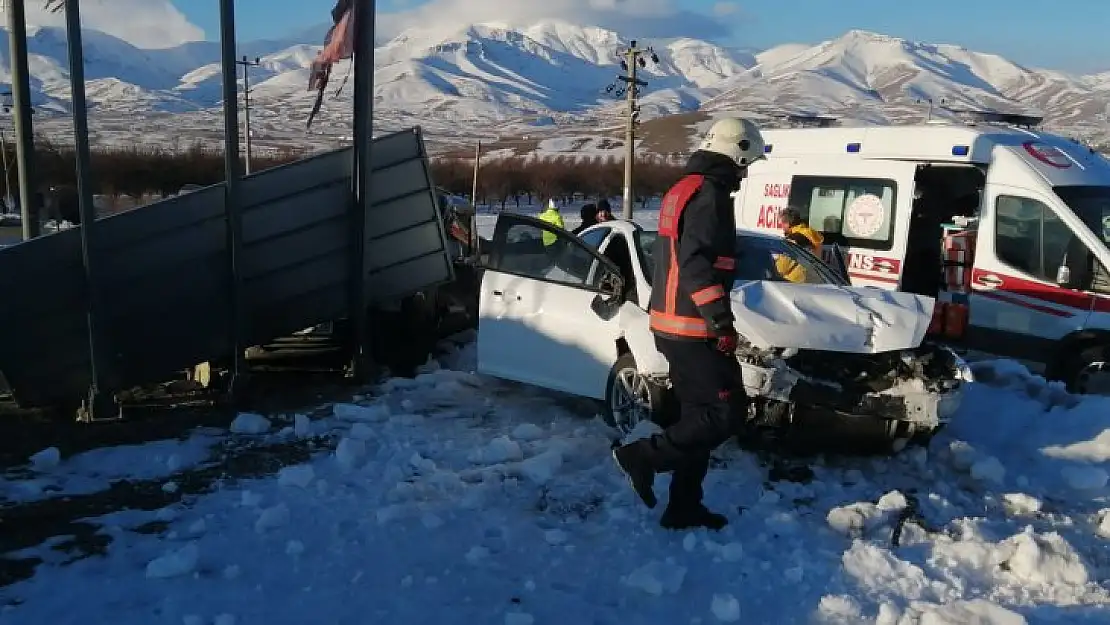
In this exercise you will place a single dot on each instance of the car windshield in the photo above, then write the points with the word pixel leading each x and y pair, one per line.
pixel 1092 205
pixel 758 258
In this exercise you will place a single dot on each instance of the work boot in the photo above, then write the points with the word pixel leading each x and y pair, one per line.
pixel 640 474
pixel 684 517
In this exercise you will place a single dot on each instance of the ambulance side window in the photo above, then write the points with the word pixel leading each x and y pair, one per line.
pixel 855 212
pixel 1031 238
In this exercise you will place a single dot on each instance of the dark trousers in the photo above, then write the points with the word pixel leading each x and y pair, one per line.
pixel 711 397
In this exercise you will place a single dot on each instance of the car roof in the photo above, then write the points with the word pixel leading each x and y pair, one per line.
pixel 618 225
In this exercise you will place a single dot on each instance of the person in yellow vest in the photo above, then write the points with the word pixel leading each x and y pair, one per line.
pixel 796 225
pixel 798 232
pixel 552 216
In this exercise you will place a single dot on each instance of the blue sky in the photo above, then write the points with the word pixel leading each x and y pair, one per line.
pixel 1071 35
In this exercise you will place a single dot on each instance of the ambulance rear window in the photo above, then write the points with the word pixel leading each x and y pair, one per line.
pixel 854 212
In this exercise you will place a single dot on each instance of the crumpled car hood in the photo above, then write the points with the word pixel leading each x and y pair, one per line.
pixel 857 320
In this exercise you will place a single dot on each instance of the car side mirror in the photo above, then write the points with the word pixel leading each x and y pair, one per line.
pixel 1063 275
pixel 606 303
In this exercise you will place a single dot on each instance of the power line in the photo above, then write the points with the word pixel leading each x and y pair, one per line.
pixel 628 85
pixel 247 105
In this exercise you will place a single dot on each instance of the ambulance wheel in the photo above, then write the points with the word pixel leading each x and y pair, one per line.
pixel 631 398
pixel 1088 372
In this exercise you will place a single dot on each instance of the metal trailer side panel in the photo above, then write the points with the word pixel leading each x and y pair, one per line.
pixel 165 269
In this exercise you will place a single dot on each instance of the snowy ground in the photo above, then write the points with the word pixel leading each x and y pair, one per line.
pixel 453 498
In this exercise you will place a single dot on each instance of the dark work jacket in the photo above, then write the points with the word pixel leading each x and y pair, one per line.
pixel 695 253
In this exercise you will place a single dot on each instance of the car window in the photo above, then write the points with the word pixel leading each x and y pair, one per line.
pixel 544 253
pixel 759 258
pixel 1029 237
pixel 778 260
pixel 594 237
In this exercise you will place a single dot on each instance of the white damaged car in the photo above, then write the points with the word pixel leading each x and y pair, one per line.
pixel 570 314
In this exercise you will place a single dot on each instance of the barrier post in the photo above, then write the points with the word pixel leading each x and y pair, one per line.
pixel 100 400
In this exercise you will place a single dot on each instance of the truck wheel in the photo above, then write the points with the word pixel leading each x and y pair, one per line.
pixel 1088 372
pixel 631 398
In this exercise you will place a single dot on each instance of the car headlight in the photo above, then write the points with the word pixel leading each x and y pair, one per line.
pixel 963 370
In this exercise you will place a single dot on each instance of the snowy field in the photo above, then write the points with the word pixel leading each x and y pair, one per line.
pixel 455 499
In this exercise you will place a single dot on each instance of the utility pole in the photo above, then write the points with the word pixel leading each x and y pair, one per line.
pixel 21 120
pixel 247 106
pixel 628 85
pixel 4 153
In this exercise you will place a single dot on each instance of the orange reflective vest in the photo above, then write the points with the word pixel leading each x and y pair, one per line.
pixel 694 261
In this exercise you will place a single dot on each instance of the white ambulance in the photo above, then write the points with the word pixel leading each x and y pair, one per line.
pixel 1007 227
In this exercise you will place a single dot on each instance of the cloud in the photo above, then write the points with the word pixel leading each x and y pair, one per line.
pixel 149 24
pixel 631 18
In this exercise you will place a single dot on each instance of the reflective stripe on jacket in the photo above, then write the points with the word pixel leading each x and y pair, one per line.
pixel 694 260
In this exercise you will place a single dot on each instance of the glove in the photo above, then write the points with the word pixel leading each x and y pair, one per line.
pixel 727 340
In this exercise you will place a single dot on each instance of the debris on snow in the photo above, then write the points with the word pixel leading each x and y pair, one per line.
pixel 299 476
pixel 541 468
pixel 1085 477
pixel 1103 518
pixel 726 608
pixel 989 469
pixel 499 450
pixel 860 518
pixel 302 426
pixel 527 432
pixel 656 578
pixel 354 412
pixel 350 452
pixel 839 609
pixel 272 518
pixel 46 459
pixel 362 432
pixel 1021 504
pixel 175 563
pixel 250 423
pixel 1043 560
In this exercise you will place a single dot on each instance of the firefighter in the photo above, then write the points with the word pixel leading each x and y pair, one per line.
pixel 552 216
pixel 691 317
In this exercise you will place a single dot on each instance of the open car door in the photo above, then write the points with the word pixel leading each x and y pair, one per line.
pixel 536 319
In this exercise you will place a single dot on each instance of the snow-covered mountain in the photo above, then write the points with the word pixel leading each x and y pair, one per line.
pixel 480 75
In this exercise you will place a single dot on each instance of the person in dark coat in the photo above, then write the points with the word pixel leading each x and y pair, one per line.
pixel 691 318
pixel 589 218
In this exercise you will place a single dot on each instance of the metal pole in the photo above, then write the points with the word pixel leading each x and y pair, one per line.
pixel 630 131
pixel 364 12
pixel 97 401
pixel 247 107
pixel 474 240
pixel 232 208
pixel 21 119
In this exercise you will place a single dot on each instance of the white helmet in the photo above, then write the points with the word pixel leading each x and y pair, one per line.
pixel 736 138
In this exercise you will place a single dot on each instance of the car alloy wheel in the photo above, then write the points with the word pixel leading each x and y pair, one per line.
pixel 1093 379
pixel 630 399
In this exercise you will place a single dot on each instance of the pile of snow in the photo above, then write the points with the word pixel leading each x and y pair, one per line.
pixel 49 474
pixel 454 498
